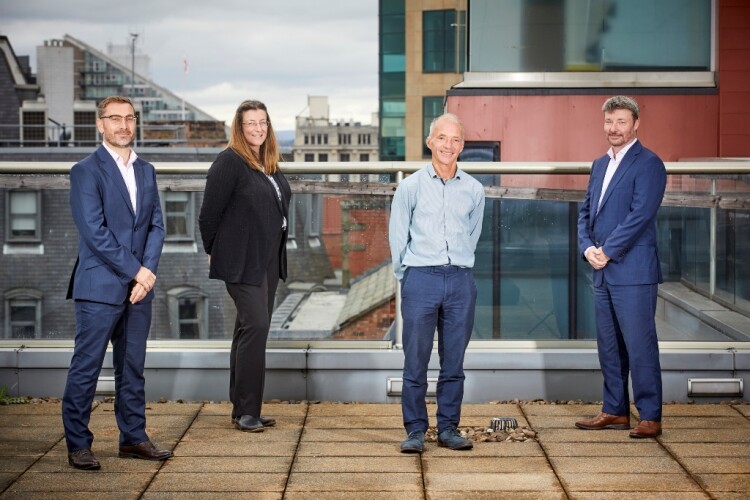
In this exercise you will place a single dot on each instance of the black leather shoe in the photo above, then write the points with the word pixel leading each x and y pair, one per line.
pixel 145 450
pixel 83 459
pixel 266 421
pixel 248 423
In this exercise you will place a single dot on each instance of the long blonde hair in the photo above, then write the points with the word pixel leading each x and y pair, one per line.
pixel 268 159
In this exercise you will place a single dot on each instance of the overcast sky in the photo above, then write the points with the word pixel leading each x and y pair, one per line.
pixel 276 51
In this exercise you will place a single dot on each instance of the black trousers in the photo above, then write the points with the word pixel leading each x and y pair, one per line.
pixel 247 359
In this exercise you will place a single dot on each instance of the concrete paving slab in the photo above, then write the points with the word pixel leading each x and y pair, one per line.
pixel 268 409
pixel 373 410
pixel 491 410
pixel 362 483
pixel 495 481
pixel 209 495
pixel 33 434
pixel 736 422
pixel 217 481
pixel 17 464
pixel 32 409
pixel 683 450
pixel 503 449
pixel 495 495
pixel 347 495
pixel 354 422
pixel 744 409
pixel 543 422
pixel 625 465
pixel 563 410
pixel 360 435
pixel 640 495
pixel 59 463
pixel 225 422
pixel 25 448
pixel 71 495
pixel 728 495
pixel 229 449
pixel 403 463
pixel 698 410
pixel 706 435
pixel 7 478
pixel 717 465
pixel 26 420
pixel 228 464
pixel 154 408
pixel 578 482
pixel 450 465
pixel 735 483
pixel 348 449
pixel 236 436
pixel 582 436
pixel 91 481
pixel 646 448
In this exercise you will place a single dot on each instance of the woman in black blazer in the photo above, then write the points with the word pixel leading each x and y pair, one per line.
pixel 243 223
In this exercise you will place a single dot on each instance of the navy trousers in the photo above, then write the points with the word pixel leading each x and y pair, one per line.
pixel 627 344
pixel 442 298
pixel 127 326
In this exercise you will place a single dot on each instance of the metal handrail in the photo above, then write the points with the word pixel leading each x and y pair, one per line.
pixel 734 166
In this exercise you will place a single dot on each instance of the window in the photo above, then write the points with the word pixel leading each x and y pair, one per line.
pixel 23 216
pixel 34 128
pixel 322 156
pixel 188 313
pixel 344 157
pixel 611 36
pixel 441 29
pixel 432 107
pixel 307 139
pixel 309 157
pixel 314 215
pixel 23 314
pixel 364 157
pixel 179 215
pixel 84 131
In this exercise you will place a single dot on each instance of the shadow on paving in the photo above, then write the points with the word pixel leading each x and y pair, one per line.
pixel 343 451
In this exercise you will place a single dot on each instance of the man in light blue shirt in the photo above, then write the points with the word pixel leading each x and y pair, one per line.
pixel 436 219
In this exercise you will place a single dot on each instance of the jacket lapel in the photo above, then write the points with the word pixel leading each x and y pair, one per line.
pixel 139 180
pixel 622 168
pixel 109 167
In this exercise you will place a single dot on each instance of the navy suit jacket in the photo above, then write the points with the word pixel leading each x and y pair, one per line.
pixel 625 225
pixel 113 241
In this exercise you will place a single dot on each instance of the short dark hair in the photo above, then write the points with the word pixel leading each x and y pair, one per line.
pixel 621 102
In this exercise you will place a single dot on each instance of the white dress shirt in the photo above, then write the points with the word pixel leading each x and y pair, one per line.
pixel 127 171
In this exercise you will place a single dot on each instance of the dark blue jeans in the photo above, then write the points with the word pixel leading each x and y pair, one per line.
pixel 442 298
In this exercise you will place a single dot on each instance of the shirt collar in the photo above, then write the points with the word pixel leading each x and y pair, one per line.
pixel 118 159
pixel 434 175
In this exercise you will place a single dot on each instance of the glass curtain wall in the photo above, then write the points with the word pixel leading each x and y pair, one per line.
pixel 392 38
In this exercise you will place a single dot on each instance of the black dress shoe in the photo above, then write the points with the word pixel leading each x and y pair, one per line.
pixel 83 459
pixel 145 450
pixel 248 423
pixel 266 421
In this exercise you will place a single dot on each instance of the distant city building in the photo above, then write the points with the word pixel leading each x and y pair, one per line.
pixel 318 139
pixel 57 106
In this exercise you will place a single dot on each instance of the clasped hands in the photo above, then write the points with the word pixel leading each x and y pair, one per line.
pixel 596 257
pixel 143 282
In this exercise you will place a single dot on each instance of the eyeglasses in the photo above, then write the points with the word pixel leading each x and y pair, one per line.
pixel 253 124
pixel 119 118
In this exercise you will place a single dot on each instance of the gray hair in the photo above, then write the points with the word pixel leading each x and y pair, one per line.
pixel 450 117
pixel 621 102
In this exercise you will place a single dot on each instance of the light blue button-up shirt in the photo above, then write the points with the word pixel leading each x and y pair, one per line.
pixel 435 222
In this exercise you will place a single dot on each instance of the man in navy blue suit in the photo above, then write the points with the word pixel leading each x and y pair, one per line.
pixel 115 206
pixel 617 237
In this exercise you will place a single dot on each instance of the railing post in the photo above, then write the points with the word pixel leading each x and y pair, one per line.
pixel 398 342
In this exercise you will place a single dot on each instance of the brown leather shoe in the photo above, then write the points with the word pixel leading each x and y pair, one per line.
pixel 605 421
pixel 646 429
pixel 84 459
pixel 145 450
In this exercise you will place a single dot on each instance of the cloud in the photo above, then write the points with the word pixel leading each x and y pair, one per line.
pixel 279 52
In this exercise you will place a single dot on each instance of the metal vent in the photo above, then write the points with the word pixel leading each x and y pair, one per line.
pixel 394 386
pixel 726 387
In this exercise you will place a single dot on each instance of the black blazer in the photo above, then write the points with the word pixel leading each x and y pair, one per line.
pixel 240 220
